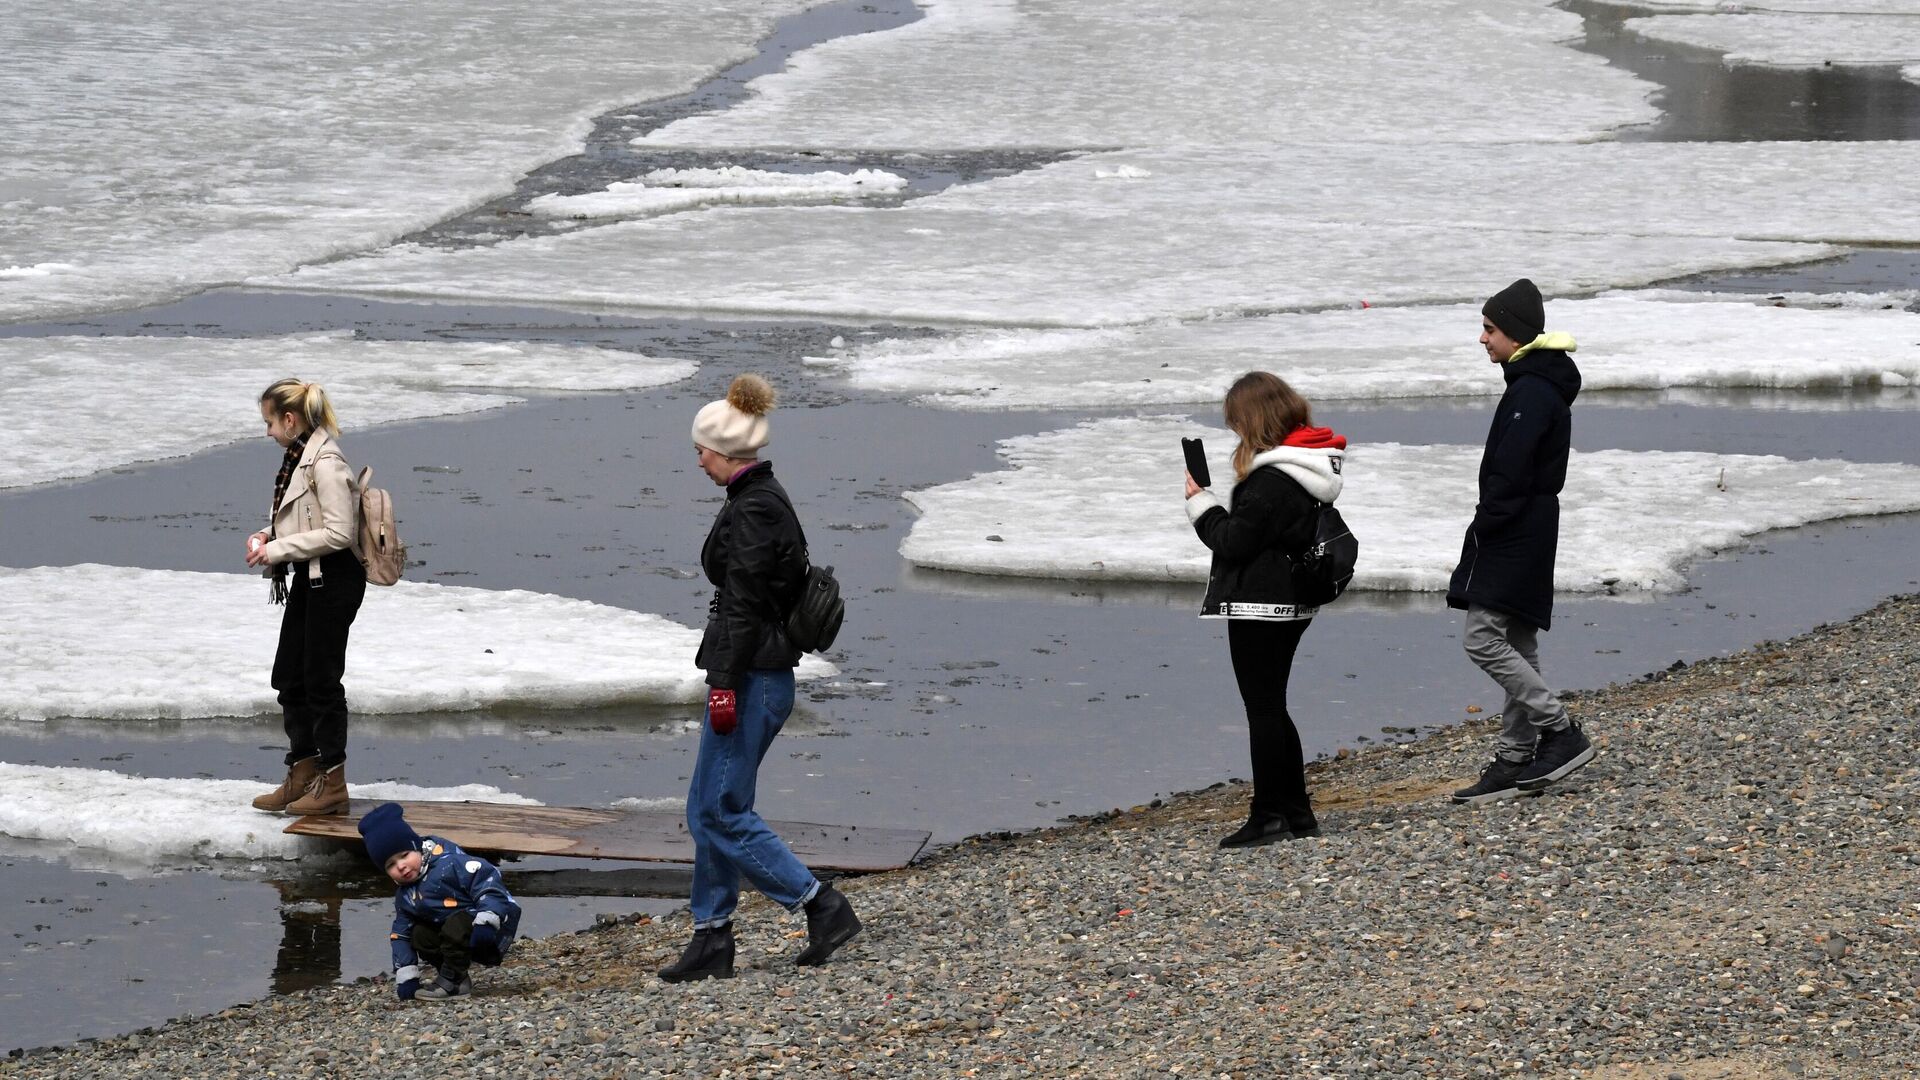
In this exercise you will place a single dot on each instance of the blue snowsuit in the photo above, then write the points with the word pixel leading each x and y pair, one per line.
pixel 452 883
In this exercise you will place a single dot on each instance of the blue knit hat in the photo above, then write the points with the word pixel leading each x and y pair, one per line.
pixel 387 833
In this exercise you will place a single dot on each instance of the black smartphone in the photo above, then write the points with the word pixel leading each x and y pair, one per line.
pixel 1196 462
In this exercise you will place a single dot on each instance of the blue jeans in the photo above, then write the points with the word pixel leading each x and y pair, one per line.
pixel 729 839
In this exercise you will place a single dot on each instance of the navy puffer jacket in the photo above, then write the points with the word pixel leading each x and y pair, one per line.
pixel 1506 560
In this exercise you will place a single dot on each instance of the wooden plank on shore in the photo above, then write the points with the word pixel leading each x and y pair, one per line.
pixel 637 835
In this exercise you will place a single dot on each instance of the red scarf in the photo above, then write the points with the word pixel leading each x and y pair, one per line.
pixel 1314 438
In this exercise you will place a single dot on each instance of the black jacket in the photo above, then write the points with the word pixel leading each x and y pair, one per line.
pixel 1506 561
pixel 755 556
pixel 1271 522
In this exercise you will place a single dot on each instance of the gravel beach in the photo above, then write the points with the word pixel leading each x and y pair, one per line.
pixel 1726 892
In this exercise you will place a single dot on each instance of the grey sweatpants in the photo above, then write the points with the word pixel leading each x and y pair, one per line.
pixel 1507 649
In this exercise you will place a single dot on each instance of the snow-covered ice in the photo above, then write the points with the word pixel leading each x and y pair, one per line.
pixel 157 151
pixel 665 191
pixel 156 819
pixel 124 643
pixel 1796 38
pixel 207 388
pixel 1209 232
pixel 1056 74
pixel 1102 500
pixel 1628 342
pixel 1817 7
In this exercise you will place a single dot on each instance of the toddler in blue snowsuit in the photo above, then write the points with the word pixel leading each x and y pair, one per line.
pixel 451 910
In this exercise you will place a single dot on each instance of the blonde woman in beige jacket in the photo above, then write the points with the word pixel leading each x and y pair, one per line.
pixel 308 552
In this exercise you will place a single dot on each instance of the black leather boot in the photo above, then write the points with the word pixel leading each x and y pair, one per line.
pixel 708 956
pixel 830 924
pixel 1258 831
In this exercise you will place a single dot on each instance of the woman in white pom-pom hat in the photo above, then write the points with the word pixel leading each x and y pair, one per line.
pixel 755 556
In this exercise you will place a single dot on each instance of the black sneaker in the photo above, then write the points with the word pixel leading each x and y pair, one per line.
pixel 1496 783
pixel 1559 754
pixel 1257 832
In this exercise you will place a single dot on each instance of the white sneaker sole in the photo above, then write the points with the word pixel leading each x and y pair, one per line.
pixel 1488 797
pixel 1560 773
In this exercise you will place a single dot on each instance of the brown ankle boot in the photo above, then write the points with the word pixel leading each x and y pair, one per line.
pixel 326 794
pixel 299 775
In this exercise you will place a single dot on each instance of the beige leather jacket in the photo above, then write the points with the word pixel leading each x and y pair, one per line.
pixel 319 513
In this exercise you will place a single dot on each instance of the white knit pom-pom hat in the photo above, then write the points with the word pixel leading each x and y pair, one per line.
pixel 736 425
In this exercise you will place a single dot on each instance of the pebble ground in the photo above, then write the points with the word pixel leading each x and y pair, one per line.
pixel 1728 891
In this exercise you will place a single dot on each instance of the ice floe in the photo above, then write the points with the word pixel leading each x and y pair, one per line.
pixel 169 819
pixel 125 643
pixel 1103 500
pixel 1208 233
pixel 150 157
pixel 990 73
pixel 207 388
pixel 665 191
pixel 1802 37
pixel 1628 342
pixel 1814 7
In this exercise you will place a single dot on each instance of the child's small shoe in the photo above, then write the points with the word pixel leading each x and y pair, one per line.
pixel 440 990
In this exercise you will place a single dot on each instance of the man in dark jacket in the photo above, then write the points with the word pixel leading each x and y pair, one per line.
pixel 1505 577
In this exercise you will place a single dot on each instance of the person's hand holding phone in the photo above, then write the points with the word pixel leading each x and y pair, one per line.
pixel 1198 477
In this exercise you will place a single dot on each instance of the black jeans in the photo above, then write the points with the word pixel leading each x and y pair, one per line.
pixel 313 655
pixel 1262 663
pixel 448 947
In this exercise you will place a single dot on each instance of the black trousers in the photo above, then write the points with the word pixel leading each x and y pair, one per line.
pixel 313 655
pixel 1262 663
pixel 448 947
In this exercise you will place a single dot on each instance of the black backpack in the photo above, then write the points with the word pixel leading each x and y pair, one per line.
pixel 1322 571
pixel 814 620
pixel 816 616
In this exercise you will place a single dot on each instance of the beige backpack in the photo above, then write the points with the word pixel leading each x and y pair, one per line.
pixel 378 543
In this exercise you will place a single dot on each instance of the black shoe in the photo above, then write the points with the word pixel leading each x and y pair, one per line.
pixel 831 923
pixel 1497 782
pixel 708 956
pixel 1303 829
pixel 1559 754
pixel 1258 831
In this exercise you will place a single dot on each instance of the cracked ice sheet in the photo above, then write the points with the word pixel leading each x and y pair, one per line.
pixel 1792 39
pixel 1059 73
pixel 154 819
pixel 1203 233
pixel 1628 342
pixel 1102 501
pixel 1828 7
pixel 150 156
pixel 122 643
pixel 208 389
pixel 666 191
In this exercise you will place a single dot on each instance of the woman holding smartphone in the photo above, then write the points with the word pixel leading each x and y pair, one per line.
pixel 309 546
pixel 1284 468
